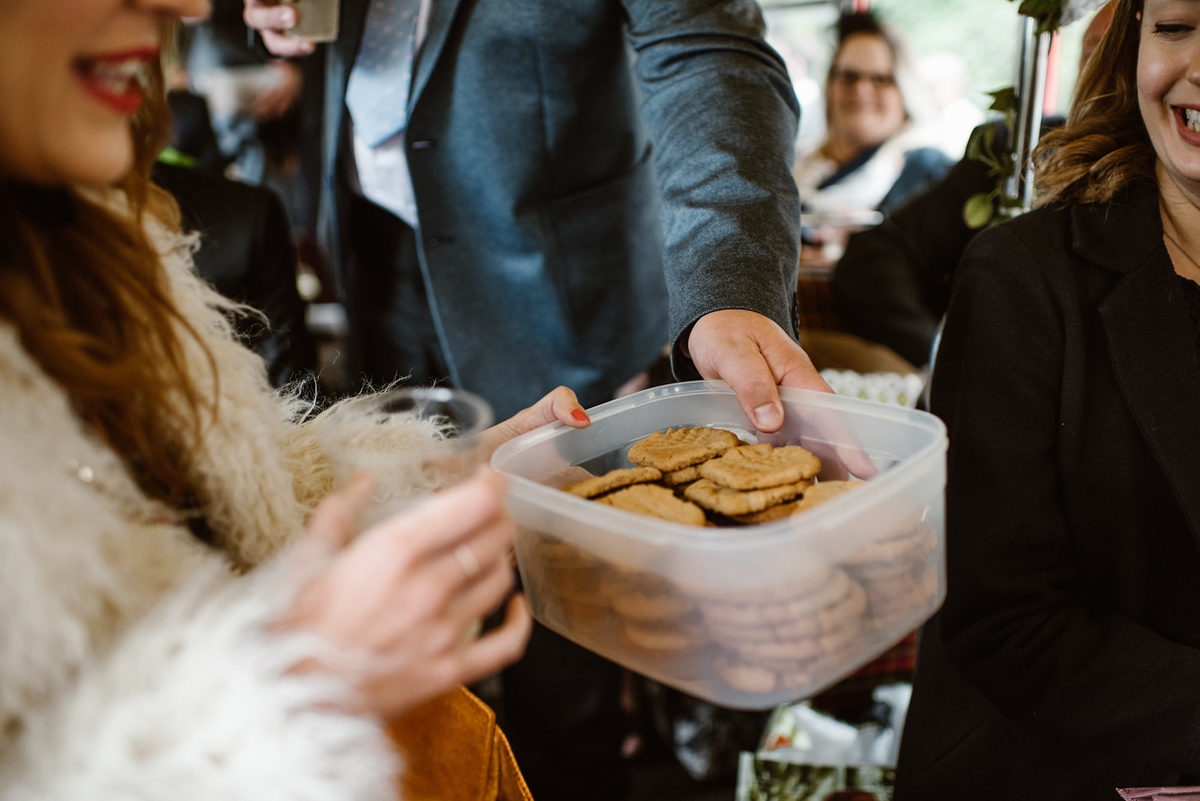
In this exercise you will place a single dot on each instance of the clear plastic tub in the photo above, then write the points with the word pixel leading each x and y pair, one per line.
pixel 745 617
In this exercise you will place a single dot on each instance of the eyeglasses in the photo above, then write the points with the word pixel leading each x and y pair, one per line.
pixel 851 78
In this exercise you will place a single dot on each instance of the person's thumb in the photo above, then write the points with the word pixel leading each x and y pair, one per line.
pixel 746 371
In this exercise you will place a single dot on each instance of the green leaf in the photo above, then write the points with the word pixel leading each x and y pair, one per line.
pixel 1037 8
pixel 975 148
pixel 1003 99
pixel 1048 13
pixel 174 157
pixel 1050 23
pixel 978 211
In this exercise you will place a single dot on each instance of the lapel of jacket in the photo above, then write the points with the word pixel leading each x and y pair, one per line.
pixel 1149 334
pixel 354 17
pixel 440 21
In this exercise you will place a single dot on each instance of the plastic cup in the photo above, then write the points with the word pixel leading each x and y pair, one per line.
pixel 318 20
pixel 412 442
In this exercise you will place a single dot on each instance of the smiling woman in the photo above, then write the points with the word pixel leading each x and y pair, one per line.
pixel 1066 660
pixel 91 298
pixel 72 79
pixel 873 158
pixel 187 608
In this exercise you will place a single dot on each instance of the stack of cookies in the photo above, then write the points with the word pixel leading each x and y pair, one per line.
pixel 655 617
pixel 575 576
pixel 786 635
pixel 706 476
pixel 756 640
pixel 896 573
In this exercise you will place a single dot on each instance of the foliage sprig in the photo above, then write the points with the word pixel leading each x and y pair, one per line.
pixel 984 208
pixel 997 205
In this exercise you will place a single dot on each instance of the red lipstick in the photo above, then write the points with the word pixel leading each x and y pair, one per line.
pixel 115 79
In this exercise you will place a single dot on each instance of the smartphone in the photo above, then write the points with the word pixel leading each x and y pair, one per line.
pixel 318 20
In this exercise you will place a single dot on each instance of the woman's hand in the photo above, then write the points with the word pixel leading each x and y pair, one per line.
pixel 560 405
pixel 399 600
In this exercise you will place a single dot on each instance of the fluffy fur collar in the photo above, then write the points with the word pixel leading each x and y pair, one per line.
pixel 134 661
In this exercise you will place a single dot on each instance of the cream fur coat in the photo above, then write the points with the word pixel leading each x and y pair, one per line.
pixel 136 662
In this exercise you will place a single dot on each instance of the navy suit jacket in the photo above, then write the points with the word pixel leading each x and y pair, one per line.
pixel 591 176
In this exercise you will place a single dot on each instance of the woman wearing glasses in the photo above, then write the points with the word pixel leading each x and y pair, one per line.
pixel 870 160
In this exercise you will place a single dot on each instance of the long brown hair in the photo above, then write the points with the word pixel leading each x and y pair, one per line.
pixel 86 289
pixel 1104 145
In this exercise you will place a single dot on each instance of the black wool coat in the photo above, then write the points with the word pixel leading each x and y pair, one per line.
pixel 1066 660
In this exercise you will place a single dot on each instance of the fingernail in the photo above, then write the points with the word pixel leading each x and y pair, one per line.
pixel 580 415
pixel 288 16
pixel 768 415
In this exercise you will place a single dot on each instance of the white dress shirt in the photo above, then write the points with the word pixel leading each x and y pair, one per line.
pixel 382 172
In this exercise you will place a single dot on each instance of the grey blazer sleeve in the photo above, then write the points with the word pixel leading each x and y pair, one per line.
pixel 722 117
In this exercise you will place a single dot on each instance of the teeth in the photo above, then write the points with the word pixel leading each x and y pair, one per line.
pixel 118 77
pixel 1192 118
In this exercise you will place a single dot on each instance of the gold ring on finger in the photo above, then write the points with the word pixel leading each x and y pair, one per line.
pixel 466 558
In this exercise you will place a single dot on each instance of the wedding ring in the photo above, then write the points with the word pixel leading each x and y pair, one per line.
pixel 466 558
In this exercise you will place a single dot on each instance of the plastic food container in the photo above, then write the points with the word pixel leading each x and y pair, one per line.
pixel 745 617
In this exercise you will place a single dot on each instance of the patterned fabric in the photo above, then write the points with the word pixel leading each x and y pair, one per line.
pixel 377 95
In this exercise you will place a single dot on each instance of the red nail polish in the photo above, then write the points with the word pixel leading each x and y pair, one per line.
pixel 580 415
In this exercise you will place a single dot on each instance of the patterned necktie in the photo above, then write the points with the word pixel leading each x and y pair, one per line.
pixel 377 94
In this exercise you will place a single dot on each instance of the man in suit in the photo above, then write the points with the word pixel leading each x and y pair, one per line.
pixel 499 217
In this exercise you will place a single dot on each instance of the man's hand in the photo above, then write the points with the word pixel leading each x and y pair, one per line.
pixel 272 20
pixel 753 355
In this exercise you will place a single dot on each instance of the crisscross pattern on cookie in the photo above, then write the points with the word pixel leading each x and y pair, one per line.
pixel 761 466
pixel 739 502
pixel 681 447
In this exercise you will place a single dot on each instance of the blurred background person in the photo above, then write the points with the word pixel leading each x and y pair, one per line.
pixel 245 252
pixel 266 114
pixel 245 92
pixel 876 152
pixel 892 286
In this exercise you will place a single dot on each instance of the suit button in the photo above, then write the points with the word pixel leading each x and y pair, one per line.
pixel 422 144
pixel 438 241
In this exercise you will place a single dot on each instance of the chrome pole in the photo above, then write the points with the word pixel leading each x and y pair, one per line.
pixel 1031 92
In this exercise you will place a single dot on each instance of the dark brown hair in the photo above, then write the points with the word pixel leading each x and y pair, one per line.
pixel 86 289
pixel 1104 145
